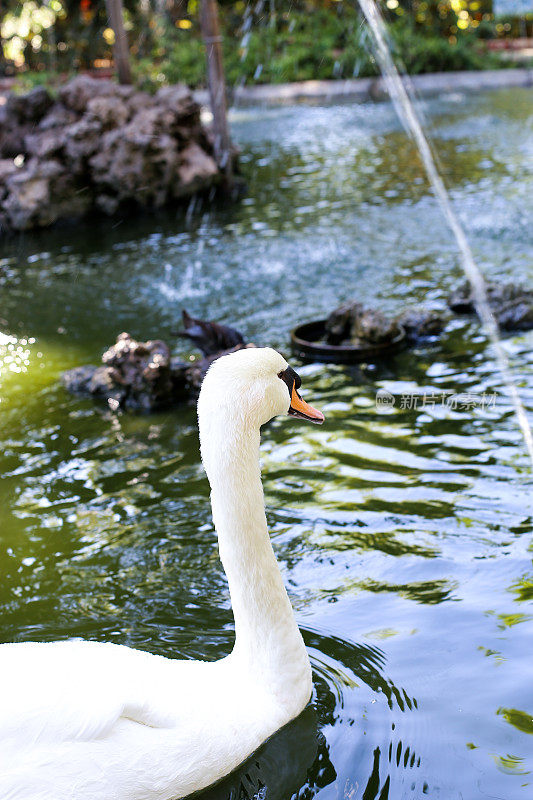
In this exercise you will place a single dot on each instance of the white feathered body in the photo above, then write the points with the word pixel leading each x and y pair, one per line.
pixel 97 721
pixel 91 721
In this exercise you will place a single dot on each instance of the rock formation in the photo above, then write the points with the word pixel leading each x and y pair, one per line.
pixel 511 304
pixel 137 376
pixel 352 323
pixel 141 376
pixel 422 323
pixel 99 146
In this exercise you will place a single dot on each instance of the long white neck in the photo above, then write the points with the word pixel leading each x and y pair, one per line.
pixel 267 636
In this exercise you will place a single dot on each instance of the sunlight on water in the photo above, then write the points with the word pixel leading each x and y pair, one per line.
pixel 404 535
pixel 411 121
pixel 28 364
pixel 15 360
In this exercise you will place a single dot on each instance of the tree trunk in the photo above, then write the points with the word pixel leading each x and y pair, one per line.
pixel 115 13
pixel 2 56
pixel 217 86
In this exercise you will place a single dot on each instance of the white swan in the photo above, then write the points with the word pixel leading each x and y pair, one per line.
pixel 92 721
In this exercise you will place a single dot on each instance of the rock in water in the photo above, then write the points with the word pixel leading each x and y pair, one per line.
pixel 517 316
pixel 78 380
pixel 100 146
pixel 511 304
pixel 141 376
pixel 137 376
pixel 143 369
pixel 370 325
pixel 353 323
pixel 422 323
pixel 339 322
pixel 41 193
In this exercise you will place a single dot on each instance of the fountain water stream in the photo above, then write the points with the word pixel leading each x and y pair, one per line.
pixel 411 121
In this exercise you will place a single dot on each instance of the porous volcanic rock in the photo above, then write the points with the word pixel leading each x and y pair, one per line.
pixel 352 322
pixel 140 376
pixel 41 193
pixel 30 107
pixel 422 323
pixel 137 376
pixel 99 146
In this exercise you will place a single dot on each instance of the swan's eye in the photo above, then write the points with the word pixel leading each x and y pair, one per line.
pixel 291 378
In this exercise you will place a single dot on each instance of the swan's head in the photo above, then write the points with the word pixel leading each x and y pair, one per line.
pixel 250 387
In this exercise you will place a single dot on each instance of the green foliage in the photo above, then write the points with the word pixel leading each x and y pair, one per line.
pixel 181 57
pixel 438 54
pixel 321 45
pixel 296 47
pixel 510 25
pixel 266 43
pixel 29 80
pixel 442 18
pixel 303 46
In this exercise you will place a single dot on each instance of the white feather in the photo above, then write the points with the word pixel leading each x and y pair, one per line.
pixel 86 720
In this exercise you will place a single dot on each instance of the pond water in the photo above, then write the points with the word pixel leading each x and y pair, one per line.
pixel 404 532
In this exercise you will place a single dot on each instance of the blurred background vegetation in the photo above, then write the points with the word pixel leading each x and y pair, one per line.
pixel 264 41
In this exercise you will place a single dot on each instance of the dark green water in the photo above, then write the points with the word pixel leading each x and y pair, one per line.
pixel 404 534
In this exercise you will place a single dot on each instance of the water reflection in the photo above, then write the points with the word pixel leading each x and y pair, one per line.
pixel 520 720
pixel 407 531
pixel 361 707
pixel 293 762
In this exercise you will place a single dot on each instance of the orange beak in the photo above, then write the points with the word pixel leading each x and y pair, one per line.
pixel 299 408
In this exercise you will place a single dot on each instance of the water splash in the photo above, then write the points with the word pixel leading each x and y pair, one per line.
pixel 411 122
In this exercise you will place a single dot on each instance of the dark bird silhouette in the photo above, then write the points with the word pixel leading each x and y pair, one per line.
pixel 210 337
